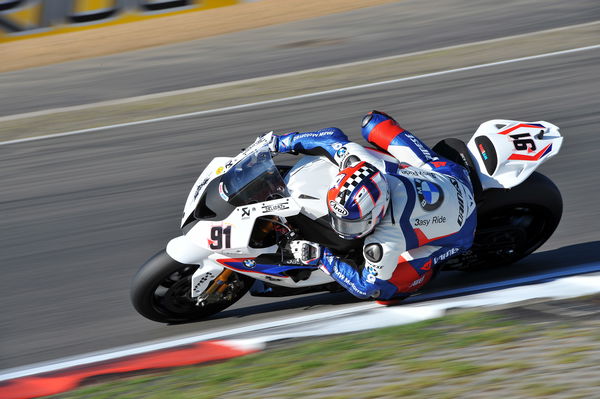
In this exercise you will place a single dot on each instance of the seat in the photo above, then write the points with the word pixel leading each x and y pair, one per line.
pixel 456 151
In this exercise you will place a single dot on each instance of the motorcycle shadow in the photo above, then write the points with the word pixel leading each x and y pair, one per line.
pixel 298 303
pixel 562 260
pixel 567 260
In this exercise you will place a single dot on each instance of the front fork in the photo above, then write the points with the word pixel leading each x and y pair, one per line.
pixel 218 286
pixel 220 282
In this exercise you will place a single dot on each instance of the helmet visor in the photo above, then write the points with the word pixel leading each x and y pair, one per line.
pixel 350 229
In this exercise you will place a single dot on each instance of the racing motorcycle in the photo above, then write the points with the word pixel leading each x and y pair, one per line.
pixel 243 212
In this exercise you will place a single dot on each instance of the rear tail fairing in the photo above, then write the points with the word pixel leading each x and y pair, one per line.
pixel 506 152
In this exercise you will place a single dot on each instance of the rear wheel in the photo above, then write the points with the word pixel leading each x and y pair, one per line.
pixel 161 291
pixel 512 223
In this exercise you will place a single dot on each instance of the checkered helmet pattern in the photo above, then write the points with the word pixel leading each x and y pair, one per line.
pixel 357 200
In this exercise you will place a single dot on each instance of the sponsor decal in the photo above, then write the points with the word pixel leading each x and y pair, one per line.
pixel 347 282
pixel 249 263
pixel 445 255
pixel 272 278
pixel 406 169
pixel 426 222
pixel 246 211
pixel 341 152
pixel 222 192
pixel 338 209
pixel 419 145
pixel 199 187
pixel 482 151
pixel 371 278
pixel 461 201
pixel 427 265
pixel 219 170
pixel 372 267
pixel 421 222
pixel 320 134
pixel 430 194
pixel 337 146
pixel 488 153
pixel 438 219
pixel 266 208
pixel 418 281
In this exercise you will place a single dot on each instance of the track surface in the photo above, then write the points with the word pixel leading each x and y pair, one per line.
pixel 405 26
pixel 79 214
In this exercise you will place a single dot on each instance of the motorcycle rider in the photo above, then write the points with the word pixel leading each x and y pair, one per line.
pixel 413 211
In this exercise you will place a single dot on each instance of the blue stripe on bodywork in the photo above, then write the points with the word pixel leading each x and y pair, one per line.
pixel 269 270
pixel 407 230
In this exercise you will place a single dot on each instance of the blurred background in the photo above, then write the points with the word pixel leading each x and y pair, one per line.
pixel 81 212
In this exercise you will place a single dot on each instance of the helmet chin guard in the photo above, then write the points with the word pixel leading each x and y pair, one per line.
pixel 357 201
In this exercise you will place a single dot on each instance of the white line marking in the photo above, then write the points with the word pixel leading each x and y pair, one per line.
pixel 280 75
pixel 303 96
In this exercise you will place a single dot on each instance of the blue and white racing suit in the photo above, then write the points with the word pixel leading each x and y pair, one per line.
pixel 431 215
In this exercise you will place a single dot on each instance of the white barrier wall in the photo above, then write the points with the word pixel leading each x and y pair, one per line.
pixel 27 18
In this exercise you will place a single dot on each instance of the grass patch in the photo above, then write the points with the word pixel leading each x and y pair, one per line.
pixel 542 390
pixel 413 360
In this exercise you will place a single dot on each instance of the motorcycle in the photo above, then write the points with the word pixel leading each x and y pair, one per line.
pixel 243 212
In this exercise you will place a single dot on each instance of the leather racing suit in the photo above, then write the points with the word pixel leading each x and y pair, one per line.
pixel 431 215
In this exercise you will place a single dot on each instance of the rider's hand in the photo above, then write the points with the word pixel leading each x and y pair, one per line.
pixel 307 252
pixel 272 141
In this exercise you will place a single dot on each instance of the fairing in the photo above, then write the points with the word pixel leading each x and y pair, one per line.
pixel 506 152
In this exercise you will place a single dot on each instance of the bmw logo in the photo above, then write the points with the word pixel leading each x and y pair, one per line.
pixel 430 194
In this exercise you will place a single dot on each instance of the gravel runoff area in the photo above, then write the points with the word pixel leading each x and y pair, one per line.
pixel 31 52
pixel 532 350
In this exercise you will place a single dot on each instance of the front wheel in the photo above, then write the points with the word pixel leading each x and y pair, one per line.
pixel 161 291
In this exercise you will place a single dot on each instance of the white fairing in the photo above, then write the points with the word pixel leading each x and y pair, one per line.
pixel 506 152
pixel 308 182
pixel 237 228
pixel 216 167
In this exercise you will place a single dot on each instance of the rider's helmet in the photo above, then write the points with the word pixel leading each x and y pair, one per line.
pixel 357 201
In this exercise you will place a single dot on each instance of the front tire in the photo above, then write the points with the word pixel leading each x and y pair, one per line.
pixel 161 291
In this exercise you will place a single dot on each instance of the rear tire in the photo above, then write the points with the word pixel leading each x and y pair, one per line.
pixel 161 291
pixel 512 223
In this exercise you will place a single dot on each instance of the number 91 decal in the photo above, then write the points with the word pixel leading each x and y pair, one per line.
pixel 220 237
pixel 523 142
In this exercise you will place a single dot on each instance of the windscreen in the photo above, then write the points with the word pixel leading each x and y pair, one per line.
pixel 253 179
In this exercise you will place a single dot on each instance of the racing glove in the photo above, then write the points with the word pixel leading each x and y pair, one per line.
pixel 272 141
pixel 307 252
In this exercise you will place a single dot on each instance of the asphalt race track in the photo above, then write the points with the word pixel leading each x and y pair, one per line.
pixel 81 213
pixel 396 28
